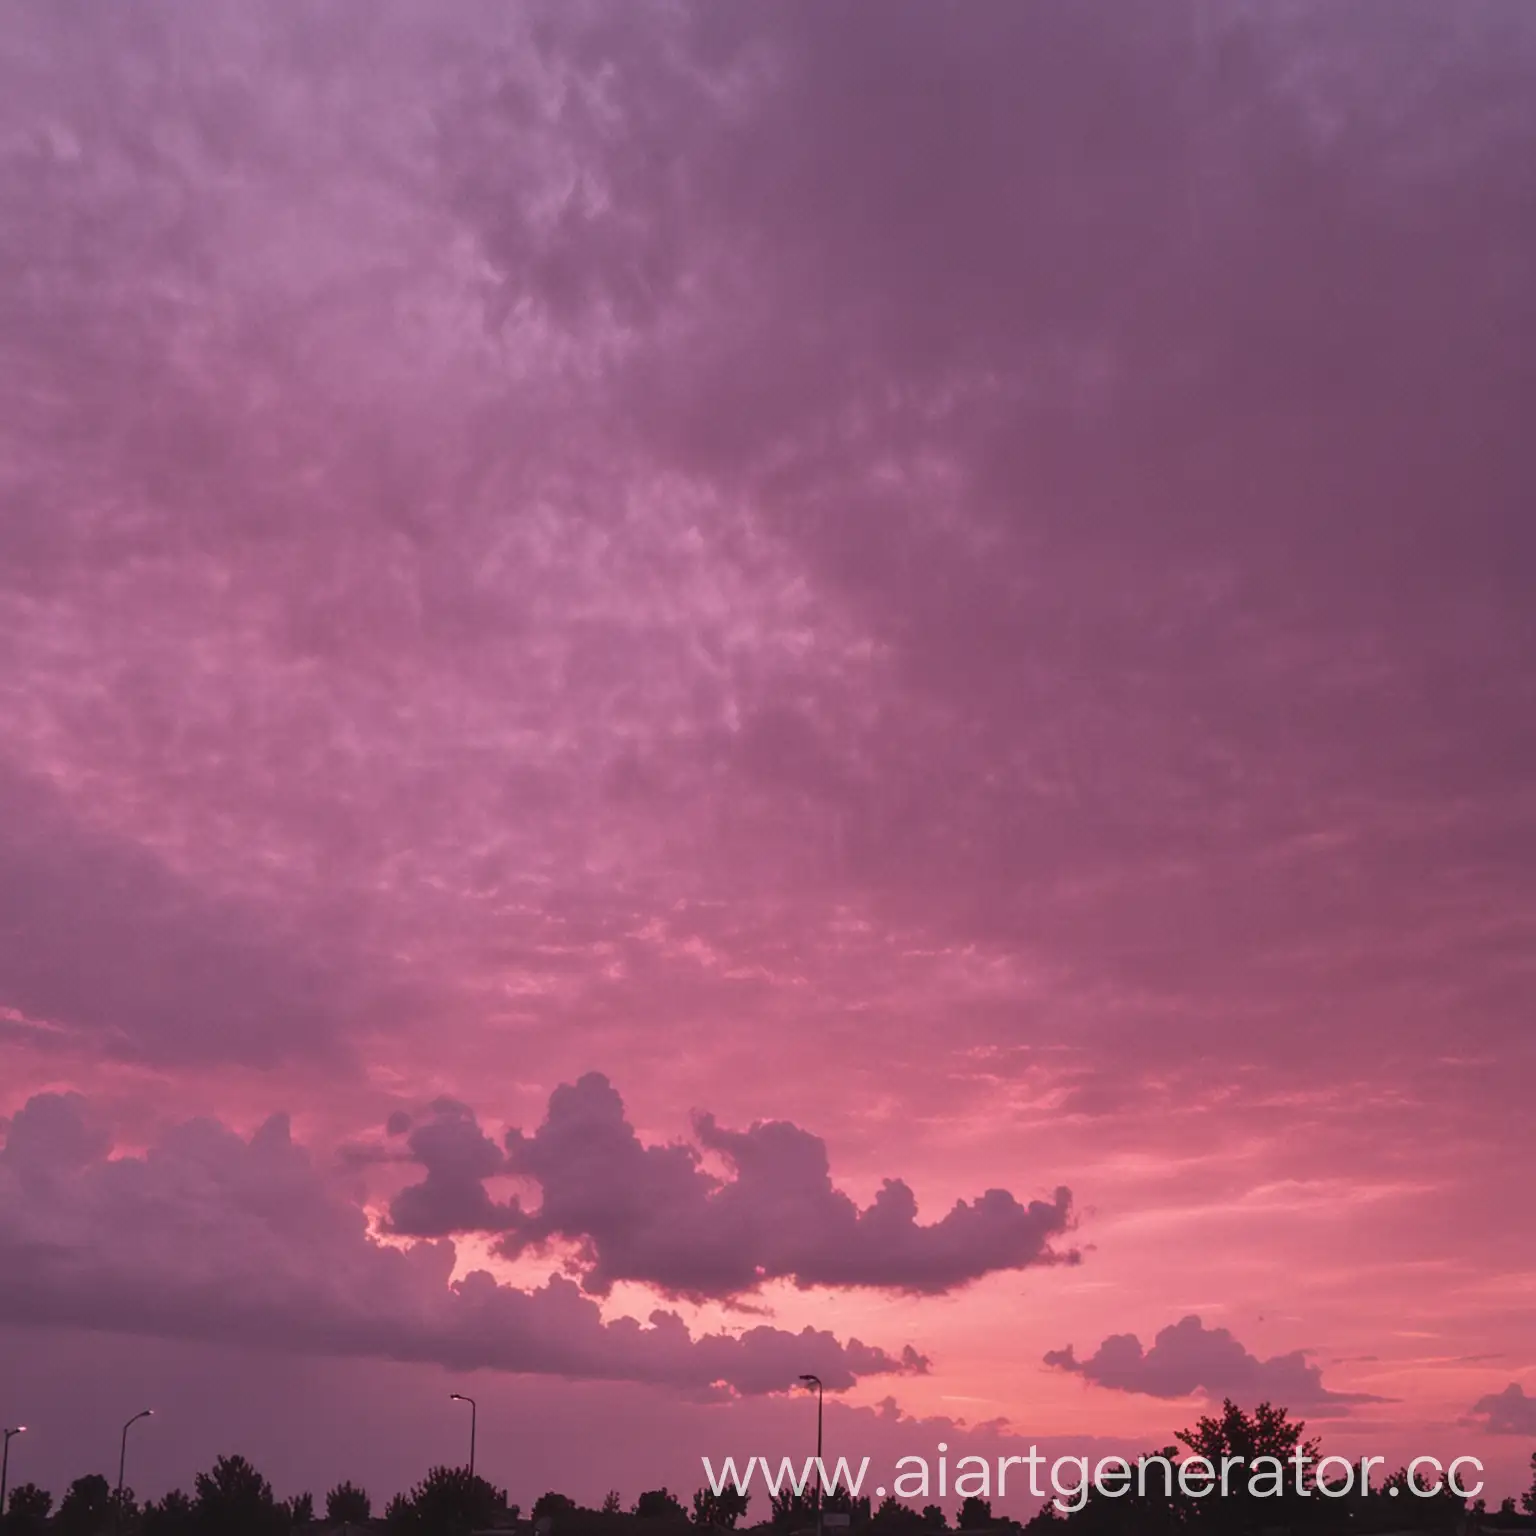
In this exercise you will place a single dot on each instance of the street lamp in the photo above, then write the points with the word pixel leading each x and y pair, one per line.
pixel 5 1464
pixel 122 1459
pixel 459 1397
pixel 815 1381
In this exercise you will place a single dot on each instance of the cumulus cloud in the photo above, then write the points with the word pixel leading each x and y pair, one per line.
pixel 1188 1358
pixel 655 1214
pixel 458 1157
pixel 209 1235
pixel 1510 1412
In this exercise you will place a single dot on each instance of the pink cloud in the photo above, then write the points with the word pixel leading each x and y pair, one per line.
pixel 1510 1412
pixel 653 1214
pixel 215 1237
pixel 1188 1358
pixel 458 1157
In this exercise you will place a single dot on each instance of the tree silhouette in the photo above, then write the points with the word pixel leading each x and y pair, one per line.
pixel 27 1510
pixel 893 1515
pixel 86 1508
pixel 347 1505
pixel 174 1515
pixel 935 1518
pixel 659 1504
pixel 1146 1508
pixel 300 1509
pixel 1257 1499
pixel 722 1509
pixel 123 1509
pixel 1528 1498
pixel 788 1508
pixel 449 1501
pixel 842 1502
pixel 1267 1431
pixel 234 1499
pixel 1420 1511
pixel 612 1503
pixel 550 1505
pixel 975 1514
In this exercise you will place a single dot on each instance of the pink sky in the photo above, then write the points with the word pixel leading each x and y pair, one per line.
pixel 803 668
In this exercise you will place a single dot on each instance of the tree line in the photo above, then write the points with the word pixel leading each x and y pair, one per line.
pixel 234 1499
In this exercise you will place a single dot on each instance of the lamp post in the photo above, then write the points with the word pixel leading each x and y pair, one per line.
pixel 5 1463
pixel 815 1381
pixel 459 1397
pixel 122 1461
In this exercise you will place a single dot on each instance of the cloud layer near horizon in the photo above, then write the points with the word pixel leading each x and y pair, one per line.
pixel 654 1214
pixel 212 1236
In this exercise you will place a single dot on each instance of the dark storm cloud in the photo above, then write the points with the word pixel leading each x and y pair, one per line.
pixel 1187 1357
pixel 654 1214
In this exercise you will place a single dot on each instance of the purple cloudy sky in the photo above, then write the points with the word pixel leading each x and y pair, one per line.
pixel 691 692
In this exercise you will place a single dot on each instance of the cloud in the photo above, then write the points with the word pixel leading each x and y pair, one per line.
pixel 674 527
pixel 660 479
pixel 1188 1358
pixel 654 1214
pixel 211 1236
pixel 1510 1412
pixel 458 1157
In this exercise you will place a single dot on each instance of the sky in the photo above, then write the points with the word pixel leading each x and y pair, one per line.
pixel 690 693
